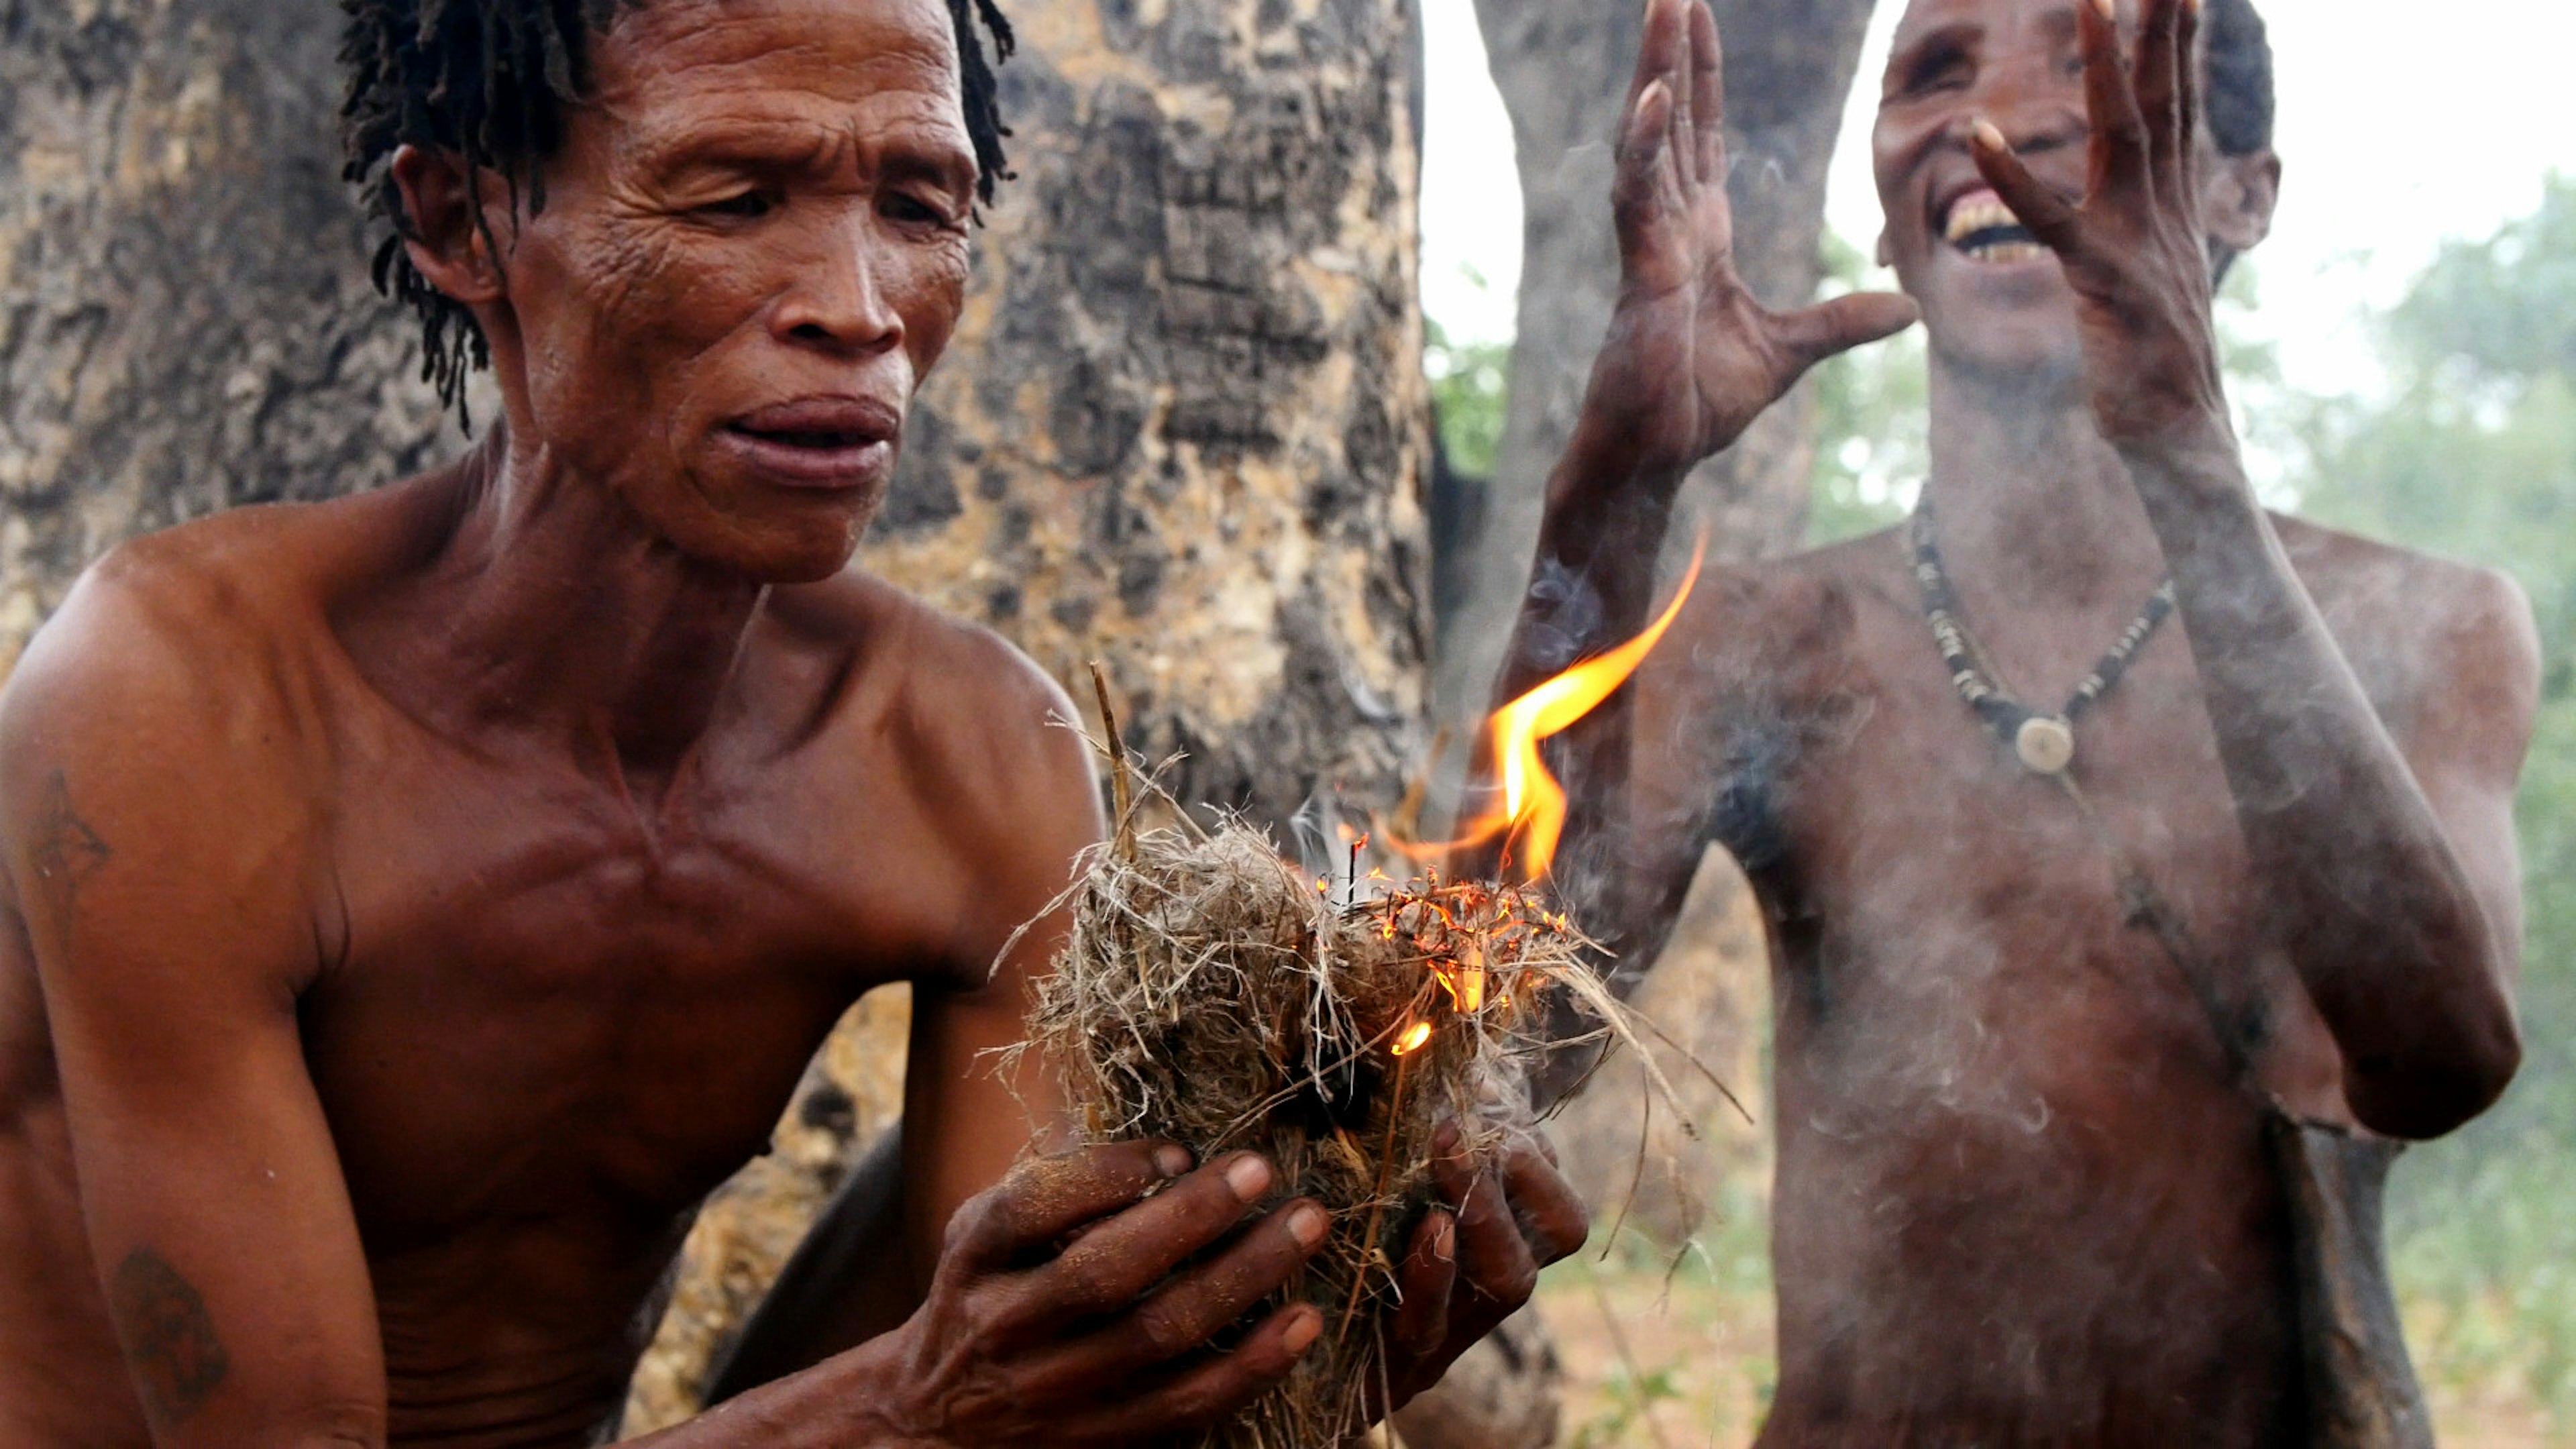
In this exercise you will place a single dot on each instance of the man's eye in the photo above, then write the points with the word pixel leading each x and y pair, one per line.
pixel 1937 73
pixel 905 207
pixel 747 204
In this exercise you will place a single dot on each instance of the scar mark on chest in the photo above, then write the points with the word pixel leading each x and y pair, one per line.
pixel 169 1337
pixel 69 852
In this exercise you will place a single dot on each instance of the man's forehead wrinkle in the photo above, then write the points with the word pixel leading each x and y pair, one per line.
pixel 909 133
pixel 670 50
pixel 1976 19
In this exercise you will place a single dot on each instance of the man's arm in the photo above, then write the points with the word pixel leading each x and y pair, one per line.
pixel 1020 792
pixel 160 853
pixel 1691 359
pixel 2406 953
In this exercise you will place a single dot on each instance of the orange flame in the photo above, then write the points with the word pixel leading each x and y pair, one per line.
pixel 1413 1038
pixel 1532 809
pixel 1464 978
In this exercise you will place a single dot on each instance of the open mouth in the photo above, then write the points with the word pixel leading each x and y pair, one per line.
pixel 1983 229
pixel 819 442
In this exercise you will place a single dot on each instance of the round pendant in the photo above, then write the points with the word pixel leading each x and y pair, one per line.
pixel 2045 743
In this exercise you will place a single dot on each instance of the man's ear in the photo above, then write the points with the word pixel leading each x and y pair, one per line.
pixel 1886 249
pixel 444 231
pixel 2238 197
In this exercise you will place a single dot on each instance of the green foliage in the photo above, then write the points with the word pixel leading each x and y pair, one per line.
pixel 2473 454
pixel 1872 449
pixel 1470 383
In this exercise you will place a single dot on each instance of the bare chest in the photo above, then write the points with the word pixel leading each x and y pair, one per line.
pixel 537 1007
pixel 1959 943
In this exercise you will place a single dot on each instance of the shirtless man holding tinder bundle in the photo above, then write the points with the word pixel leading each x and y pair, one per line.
pixel 411 905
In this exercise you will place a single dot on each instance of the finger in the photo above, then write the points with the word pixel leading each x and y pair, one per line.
pixel 1496 1271
pixel 2049 216
pixel 1644 202
pixel 1708 95
pixel 1042 1201
pixel 2187 94
pixel 1207 1392
pixel 1681 137
pixel 1421 1322
pixel 1551 1217
pixel 2159 82
pixel 1118 1261
pixel 1657 49
pixel 1832 328
pixel 1182 1314
pixel 2110 97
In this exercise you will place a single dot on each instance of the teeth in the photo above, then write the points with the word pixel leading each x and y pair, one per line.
pixel 1977 213
pixel 2008 252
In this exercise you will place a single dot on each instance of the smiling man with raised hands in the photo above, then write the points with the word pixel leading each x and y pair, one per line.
pixel 2136 861
pixel 411 905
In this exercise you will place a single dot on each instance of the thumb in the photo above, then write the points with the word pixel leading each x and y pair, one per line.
pixel 1829 329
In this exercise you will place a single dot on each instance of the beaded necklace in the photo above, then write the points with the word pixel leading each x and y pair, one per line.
pixel 2045 743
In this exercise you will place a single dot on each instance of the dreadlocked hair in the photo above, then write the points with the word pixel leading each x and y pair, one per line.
pixel 489 82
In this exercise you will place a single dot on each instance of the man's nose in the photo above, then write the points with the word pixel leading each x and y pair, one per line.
pixel 839 300
pixel 2037 107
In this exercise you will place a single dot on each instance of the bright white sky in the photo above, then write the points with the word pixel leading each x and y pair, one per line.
pixel 2401 124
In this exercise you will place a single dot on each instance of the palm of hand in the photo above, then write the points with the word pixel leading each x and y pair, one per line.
pixel 1692 357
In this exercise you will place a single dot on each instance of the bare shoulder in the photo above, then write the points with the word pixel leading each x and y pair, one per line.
pixel 1784 628
pixel 177 640
pixel 159 729
pixel 2433 640
pixel 985 734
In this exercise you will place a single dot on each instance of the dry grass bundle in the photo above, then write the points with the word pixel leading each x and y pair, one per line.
pixel 1213 994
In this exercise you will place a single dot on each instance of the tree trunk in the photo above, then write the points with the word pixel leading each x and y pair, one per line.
pixel 1563 70
pixel 185 317
pixel 1181 428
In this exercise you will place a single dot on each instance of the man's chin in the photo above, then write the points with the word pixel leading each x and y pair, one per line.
pixel 806 560
pixel 2013 349
pixel 798 551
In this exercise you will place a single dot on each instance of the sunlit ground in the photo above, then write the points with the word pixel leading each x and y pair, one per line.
pixel 1683 1359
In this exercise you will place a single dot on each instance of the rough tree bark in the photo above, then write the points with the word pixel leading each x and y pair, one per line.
pixel 1181 428
pixel 1563 71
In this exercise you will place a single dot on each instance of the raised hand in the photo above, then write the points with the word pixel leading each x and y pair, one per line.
pixel 1692 357
pixel 1028 1338
pixel 2134 246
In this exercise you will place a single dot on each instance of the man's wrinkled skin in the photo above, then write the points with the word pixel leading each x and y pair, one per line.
pixel 2019 1200
pixel 411 905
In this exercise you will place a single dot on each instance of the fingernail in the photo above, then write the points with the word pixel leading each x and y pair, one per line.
pixel 1444 1240
pixel 1307 1225
pixel 1249 1176
pixel 1171 1161
pixel 1303 1332
pixel 1989 137
pixel 2106 9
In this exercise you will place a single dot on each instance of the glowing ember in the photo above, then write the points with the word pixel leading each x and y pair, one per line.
pixel 1532 809
pixel 1413 1038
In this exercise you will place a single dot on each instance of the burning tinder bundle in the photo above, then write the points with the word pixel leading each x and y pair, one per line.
pixel 1213 994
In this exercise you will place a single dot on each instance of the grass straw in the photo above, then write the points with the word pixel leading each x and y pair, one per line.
pixel 1213 994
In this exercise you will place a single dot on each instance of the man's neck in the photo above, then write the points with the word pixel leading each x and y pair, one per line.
pixel 553 607
pixel 2036 511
